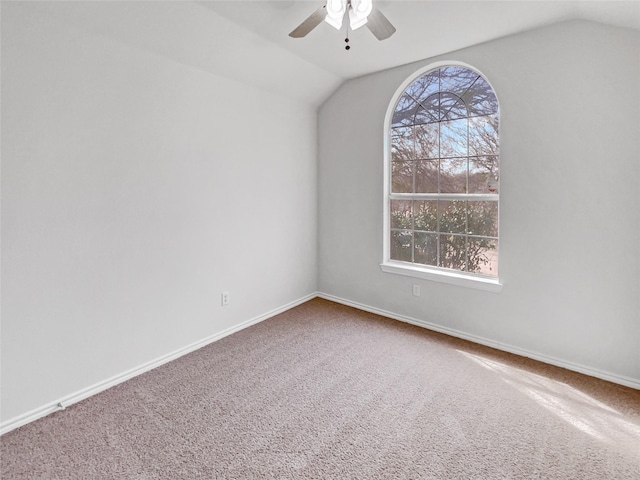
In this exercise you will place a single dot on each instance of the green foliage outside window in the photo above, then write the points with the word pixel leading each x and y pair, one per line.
pixel 464 242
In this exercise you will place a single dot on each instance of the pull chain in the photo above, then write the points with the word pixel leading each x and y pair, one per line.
pixel 347 47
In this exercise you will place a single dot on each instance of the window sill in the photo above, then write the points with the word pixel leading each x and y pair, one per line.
pixel 451 278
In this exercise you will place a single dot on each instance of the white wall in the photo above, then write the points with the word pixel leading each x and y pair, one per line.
pixel 570 212
pixel 135 189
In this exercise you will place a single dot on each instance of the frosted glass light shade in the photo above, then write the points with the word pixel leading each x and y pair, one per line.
pixel 335 13
pixel 358 13
pixel 359 10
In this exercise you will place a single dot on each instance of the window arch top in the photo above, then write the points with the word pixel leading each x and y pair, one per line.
pixel 447 93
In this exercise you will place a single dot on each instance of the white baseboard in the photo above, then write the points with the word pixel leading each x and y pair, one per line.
pixel 611 377
pixel 68 400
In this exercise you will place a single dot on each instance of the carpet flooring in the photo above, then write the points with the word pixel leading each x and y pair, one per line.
pixel 324 391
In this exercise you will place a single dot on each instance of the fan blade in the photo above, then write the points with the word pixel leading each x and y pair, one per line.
pixel 379 25
pixel 310 23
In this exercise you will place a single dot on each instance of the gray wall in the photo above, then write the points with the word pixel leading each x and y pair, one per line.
pixel 135 189
pixel 570 193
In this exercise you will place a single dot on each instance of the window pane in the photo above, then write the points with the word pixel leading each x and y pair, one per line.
pixel 426 248
pixel 457 79
pixel 426 176
pixel 402 177
pixel 401 245
pixel 453 138
pixel 483 256
pixel 483 135
pixel 428 111
pixel 452 215
pixel 481 170
pixel 405 111
pixel 402 144
pixel 453 175
pixel 401 214
pixel 452 107
pixel 480 99
pixel 453 252
pixel 482 218
pixel 425 215
pixel 426 138
pixel 425 86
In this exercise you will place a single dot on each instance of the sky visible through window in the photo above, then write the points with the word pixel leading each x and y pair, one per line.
pixel 443 205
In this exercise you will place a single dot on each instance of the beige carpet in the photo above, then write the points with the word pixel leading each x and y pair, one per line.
pixel 324 391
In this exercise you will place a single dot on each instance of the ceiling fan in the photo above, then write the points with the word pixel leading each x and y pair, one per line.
pixel 361 12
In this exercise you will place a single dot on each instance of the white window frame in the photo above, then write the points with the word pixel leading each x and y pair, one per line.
pixel 425 272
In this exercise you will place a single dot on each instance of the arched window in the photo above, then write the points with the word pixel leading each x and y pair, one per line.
pixel 442 175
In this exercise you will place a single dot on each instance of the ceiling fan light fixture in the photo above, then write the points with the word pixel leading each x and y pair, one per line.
pixel 335 13
pixel 358 13
pixel 361 12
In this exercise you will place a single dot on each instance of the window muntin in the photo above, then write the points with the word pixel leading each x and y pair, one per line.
pixel 444 174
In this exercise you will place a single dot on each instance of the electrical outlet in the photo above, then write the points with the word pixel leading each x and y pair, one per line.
pixel 224 299
pixel 416 290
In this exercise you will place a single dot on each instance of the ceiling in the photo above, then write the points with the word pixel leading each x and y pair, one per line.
pixel 424 28
pixel 247 40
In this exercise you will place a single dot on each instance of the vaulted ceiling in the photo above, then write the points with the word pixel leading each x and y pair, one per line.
pixel 424 28
pixel 248 40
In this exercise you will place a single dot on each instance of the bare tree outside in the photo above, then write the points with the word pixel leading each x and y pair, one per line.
pixel 444 173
